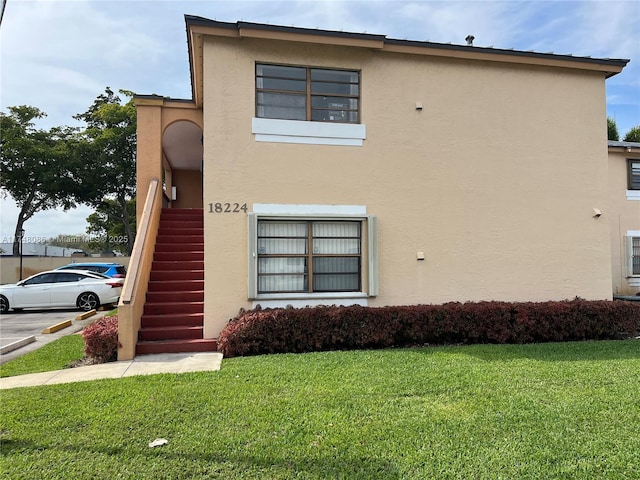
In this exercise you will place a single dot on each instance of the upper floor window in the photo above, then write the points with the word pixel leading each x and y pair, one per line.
pixel 307 93
pixel 633 174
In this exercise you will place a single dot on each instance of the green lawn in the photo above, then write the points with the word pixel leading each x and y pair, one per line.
pixel 547 411
pixel 52 356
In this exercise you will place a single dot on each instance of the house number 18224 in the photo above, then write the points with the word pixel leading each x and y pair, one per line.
pixel 227 207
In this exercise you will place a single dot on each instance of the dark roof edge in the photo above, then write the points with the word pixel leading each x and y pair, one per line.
pixel 195 20
pixel 619 62
pixel 616 143
pixel 153 96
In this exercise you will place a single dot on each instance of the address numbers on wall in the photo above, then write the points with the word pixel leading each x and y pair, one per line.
pixel 227 208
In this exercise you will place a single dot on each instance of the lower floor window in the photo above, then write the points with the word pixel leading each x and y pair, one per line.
pixel 309 256
pixel 634 255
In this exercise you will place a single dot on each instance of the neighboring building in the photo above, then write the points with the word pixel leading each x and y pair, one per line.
pixel 341 168
pixel 624 216
pixel 38 250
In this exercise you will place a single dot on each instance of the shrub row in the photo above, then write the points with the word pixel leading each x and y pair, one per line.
pixel 309 329
pixel 101 340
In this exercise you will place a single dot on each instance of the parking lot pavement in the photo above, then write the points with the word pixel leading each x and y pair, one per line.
pixel 16 326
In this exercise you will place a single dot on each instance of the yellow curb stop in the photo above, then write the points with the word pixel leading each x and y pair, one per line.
pixel 57 326
pixel 86 315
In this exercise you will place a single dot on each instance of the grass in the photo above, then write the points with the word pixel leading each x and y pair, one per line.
pixel 52 356
pixel 545 411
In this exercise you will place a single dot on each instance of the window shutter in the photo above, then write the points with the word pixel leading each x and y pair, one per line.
pixel 252 259
pixel 372 238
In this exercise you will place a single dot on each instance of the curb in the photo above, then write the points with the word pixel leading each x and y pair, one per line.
pixel 57 326
pixel 17 344
pixel 85 315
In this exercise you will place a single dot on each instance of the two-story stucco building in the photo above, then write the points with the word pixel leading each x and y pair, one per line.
pixel 338 168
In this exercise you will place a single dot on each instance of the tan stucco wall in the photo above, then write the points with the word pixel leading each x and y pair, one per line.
pixel 624 216
pixel 495 179
pixel 188 185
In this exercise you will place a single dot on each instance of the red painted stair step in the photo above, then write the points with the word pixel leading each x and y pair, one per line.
pixel 173 320
pixel 175 285
pixel 177 346
pixel 164 275
pixel 169 333
pixel 185 256
pixel 173 307
pixel 171 297
pixel 177 265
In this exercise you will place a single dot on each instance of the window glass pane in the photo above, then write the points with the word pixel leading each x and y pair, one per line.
pixel 282 106
pixel 281 84
pixel 339 246
pixel 69 277
pixel 44 278
pixel 282 283
pixel 281 71
pixel 334 116
pixel 282 229
pixel 336 229
pixel 280 246
pixel 335 103
pixel 334 88
pixel 635 256
pixel 336 265
pixel 336 283
pixel 340 76
pixel 282 265
pixel 270 99
pixel 282 113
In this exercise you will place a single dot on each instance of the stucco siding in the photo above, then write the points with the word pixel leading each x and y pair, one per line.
pixel 494 179
pixel 625 217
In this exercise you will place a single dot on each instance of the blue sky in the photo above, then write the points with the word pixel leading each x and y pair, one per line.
pixel 60 55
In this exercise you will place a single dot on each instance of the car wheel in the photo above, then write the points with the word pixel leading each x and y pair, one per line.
pixel 88 301
pixel 4 304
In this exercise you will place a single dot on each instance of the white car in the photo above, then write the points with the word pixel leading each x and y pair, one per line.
pixel 69 288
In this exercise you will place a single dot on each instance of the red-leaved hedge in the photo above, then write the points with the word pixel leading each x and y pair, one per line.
pixel 101 340
pixel 309 329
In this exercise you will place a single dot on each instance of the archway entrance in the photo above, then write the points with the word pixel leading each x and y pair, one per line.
pixel 183 153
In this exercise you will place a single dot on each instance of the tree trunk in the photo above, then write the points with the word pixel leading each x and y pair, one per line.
pixel 126 224
pixel 17 235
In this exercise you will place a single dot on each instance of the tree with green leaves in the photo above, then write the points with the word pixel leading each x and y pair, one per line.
pixel 106 231
pixel 39 168
pixel 612 130
pixel 110 137
pixel 633 135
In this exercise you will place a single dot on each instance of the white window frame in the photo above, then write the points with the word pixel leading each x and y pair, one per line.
pixel 312 213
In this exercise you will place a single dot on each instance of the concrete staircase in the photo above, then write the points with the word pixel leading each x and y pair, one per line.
pixel 173 316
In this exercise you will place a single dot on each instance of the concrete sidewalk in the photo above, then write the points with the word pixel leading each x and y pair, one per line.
pixel 141 365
